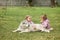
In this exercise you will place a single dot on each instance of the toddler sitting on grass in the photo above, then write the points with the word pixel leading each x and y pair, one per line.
pixel 45 23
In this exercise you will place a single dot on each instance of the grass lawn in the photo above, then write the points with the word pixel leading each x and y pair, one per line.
pixel 11 17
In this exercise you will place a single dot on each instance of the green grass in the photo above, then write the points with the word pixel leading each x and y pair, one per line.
pixel 11 17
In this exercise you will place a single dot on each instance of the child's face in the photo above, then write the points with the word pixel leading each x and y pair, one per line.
pixel 29 19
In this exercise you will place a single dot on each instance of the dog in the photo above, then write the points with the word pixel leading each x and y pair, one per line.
pixel 33 28
pixel 36 27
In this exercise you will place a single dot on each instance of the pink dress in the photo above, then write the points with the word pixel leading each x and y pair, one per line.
pixel 46 24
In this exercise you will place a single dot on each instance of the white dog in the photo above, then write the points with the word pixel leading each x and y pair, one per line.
pixel 36 27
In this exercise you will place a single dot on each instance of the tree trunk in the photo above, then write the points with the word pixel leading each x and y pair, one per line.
pixel 52 3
